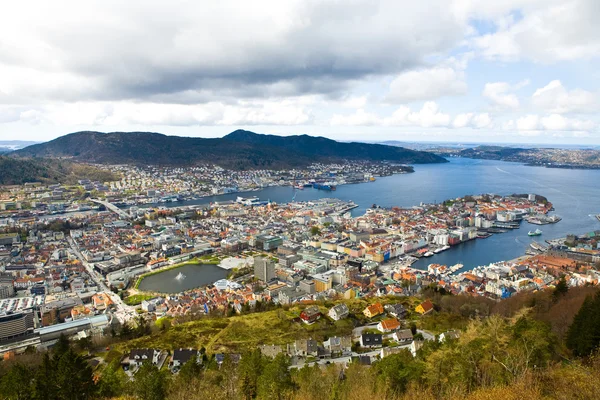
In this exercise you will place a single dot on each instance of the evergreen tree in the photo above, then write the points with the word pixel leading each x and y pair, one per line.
pixel 583 335
pixel 61 347
pixel 16 384
pixel 113 380
pixel 150 383
pixel 561 289
pixel 44 385
pixel 275 381
pixel 74 377
pixel 250 369
pixel 395 372
pixel 189 371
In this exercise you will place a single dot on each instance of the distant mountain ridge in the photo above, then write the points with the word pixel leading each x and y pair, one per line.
pixel 584 158
pixel 11 145
pixel 239 150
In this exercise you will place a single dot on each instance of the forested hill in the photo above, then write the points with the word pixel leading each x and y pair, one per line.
pixel 14 171
pixel 238 150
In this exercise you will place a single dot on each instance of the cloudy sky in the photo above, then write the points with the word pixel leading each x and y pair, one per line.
pixel 432 70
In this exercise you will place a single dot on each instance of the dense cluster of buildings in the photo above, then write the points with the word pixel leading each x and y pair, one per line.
pixel 60 272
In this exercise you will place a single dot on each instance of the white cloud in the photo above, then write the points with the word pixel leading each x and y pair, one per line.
pixel 555 98
pixel 547 31
pixel 266 113
pixel 354 102
pixel 359 118
pixel 477 121
pixel 427 84
pixel 303 63
pixel 427 117
pixel 101 50
pixel 528 123
pixel 281 112
pixel 552 122
pixel 500 96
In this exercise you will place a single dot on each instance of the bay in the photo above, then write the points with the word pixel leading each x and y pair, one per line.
pixel 575 195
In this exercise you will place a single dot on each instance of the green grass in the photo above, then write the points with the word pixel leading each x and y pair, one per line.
pixel 241 332
pixel 137 299
pixel 247 331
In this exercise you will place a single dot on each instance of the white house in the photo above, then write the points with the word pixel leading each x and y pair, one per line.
pixel 339 311
pixel 403 336
pixel 138 356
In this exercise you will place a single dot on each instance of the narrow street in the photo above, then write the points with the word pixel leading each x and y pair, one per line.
pixel 123 311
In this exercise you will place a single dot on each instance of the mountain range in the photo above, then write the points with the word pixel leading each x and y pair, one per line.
pixel 238 150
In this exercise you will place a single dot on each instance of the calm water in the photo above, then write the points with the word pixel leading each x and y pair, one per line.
pixel 574 193
pixel 195 275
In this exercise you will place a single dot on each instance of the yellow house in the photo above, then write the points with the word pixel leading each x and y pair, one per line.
pixel 373 310
pixel 425 307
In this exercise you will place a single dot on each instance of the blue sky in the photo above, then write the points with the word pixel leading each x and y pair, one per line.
pixel 515 71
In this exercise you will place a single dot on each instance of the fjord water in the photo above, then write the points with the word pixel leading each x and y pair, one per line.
pixel 575 195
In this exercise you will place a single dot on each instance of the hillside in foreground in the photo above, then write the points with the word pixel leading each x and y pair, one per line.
pixel 540 345
pixel 238 150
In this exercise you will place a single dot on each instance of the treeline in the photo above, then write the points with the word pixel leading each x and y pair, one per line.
pixel 59 374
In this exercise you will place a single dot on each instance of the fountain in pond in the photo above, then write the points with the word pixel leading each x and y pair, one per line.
pixel 180 276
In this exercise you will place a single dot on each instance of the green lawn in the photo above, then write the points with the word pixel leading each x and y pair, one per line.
pixel 137 299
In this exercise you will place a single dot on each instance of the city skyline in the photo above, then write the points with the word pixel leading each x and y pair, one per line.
pixel 463 71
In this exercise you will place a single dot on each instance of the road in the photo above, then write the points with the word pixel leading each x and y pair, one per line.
pixel 113 208
pixel 357 332
pixel 123 312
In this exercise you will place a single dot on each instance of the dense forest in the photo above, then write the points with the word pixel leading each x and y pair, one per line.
pixel 16 171
pixel 534 346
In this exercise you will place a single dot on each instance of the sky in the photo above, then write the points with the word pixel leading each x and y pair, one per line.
pixel 518 71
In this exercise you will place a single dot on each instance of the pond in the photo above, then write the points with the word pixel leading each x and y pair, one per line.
pixel 183 278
